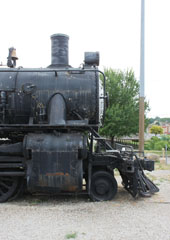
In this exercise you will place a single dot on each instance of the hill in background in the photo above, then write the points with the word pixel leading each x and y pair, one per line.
pixel 158 120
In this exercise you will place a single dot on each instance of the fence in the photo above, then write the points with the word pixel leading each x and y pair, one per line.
pixel 131 142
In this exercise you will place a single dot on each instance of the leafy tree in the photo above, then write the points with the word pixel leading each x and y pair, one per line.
pixel 155 129
pixel 122 116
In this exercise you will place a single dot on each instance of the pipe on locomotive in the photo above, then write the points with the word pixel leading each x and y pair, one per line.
pixel 59 50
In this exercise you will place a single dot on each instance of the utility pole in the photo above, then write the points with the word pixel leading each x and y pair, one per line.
pixel 142 79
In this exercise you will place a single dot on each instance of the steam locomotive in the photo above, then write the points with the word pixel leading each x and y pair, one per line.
pixel 49 140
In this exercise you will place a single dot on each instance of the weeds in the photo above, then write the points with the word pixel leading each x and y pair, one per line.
pixel 160 153
pixel 161 166
pixel 35 201
pixel 151 177
pixel 71 235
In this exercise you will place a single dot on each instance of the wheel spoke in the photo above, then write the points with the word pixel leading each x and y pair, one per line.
pixel 4 185
pixel 8 187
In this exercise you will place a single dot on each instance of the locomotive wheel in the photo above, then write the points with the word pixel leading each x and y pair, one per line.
pixel 103 186
pixel 8 187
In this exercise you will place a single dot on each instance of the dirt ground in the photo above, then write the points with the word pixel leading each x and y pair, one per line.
pixel 35 217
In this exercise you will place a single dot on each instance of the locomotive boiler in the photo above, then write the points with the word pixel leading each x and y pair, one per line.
pixel 49 121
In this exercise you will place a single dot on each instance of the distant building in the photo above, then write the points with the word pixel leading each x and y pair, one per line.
pixel 166 128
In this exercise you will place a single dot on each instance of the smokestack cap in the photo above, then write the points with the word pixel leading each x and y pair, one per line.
pixel 59 35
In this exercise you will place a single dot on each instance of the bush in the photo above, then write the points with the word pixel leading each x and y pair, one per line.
pixel 147 145
pixel 150 145
pixel 158 143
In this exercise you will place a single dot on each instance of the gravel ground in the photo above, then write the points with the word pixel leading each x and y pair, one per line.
pixel 124 218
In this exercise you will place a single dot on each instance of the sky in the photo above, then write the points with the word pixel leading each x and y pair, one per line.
pixel 111 27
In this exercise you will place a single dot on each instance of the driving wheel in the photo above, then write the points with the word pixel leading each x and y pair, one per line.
pixel 103 186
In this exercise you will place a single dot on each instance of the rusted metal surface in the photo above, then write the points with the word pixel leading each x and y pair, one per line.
pixel 55 164
pixel 57 174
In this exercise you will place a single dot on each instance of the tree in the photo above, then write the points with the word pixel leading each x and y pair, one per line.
pixel 158 120
pixel 155 129
pixel 122 116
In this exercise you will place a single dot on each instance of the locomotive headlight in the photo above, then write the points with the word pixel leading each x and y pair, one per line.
pixel 91 58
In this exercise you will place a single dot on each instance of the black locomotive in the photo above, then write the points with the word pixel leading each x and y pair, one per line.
pixel 49 121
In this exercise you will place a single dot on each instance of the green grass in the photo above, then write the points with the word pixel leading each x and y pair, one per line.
pixel 158 179
pixel 151 177
pixel 161 166
pixel 71 235
pixel 157 152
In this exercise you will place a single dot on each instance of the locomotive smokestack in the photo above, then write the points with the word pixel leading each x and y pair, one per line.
pixel 59 50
